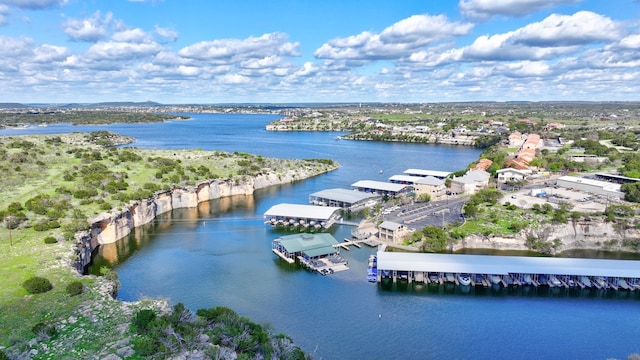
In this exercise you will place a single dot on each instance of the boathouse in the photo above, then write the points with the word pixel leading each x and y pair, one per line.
pixel 509 269
pixel 302 215
pixel 343 198
pixel 381 188
pixel 307 246
pixel 425 173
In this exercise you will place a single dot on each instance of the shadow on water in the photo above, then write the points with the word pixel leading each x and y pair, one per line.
pixel 450 289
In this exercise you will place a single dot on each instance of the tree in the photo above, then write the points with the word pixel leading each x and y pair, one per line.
pixel 435 239
pixel 631 192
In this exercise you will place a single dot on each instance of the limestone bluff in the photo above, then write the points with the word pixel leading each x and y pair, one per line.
pixel 108 228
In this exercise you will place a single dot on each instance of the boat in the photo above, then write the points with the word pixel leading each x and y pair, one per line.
pixel 554 282
pixel 464 279
pixel 495 279
pixel 527 279
pixel 433 277
pixel 585 281
pixel 633 283
pixel 449 277
pixel 600 282
pixel 542 279
pixel 479 280
pixel 623 284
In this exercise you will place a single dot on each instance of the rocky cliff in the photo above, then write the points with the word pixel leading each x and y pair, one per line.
pixel 591 233
pixel 108 228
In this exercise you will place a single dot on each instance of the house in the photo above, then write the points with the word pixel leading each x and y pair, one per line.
pixel 431 185
pixel 391 231
pixel 470 182
pixel 510 174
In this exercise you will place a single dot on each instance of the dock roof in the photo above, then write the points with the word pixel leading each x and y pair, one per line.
pixel 421 172
pixel 379 185
pixel 344 195
pixel 502 265
pixel 311 245
pixel 423 180
pixel 301 211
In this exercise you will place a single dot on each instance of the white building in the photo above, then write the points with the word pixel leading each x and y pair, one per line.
pixel 470 182
pixel 510 174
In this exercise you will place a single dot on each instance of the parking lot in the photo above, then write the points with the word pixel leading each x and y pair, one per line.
pixel 435 213
pixel 579 200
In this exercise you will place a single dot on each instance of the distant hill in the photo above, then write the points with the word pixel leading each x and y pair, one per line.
pixel 125 103
pixel 12 105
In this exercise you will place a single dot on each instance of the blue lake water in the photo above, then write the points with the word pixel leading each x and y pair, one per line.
pixel 220 254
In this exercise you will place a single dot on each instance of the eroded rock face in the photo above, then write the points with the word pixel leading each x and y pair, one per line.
pixel 109 228
pixel 594 234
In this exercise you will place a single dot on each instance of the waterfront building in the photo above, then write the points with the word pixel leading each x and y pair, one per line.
pixel 431 185
pixel 307 246
pixel 344 198
pixel 302 215
pixel 391 231
pixel 590 185
pixel 381 188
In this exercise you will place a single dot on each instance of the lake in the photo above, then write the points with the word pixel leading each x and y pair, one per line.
pixel 220 254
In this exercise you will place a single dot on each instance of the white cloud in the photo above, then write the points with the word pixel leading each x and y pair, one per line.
pixel 90 29
pixel 233 79
pixel 36 4
pixel 112 50
pixel 50 53
pixel 4 14
pixel 555 35
pixel 485 9
pixel 168 34
pixel 132 36
pixel 251 47
pixel 394 42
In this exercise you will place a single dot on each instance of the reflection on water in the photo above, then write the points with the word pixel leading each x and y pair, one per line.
pixel 113 254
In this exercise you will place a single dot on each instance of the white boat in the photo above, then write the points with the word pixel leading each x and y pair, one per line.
pixel 554 282
pixel 585 281
pixel 464 279
pixel 600 282
pixel 527 279
pixel 495 279
pixel 623 284
pixel 449 277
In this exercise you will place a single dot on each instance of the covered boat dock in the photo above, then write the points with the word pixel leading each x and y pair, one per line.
pixel 381 188
pixel 510 270
pixel 343 198
pixel 317 252
pixel 425 173
pixel 302 215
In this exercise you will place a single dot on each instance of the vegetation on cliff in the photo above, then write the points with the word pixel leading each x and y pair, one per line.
pixel 51 186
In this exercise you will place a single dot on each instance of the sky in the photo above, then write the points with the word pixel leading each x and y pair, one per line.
pixel 296 51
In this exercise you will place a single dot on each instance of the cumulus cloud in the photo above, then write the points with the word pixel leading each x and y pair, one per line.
pixel 90 29
pixel 553 36
pixel 251 47
pixel 394 42
pixel 50 53
pixel 168 34
pixel 485 9
pixel 113 50
pixel 4 15
pixel 36 4
pixel 133 36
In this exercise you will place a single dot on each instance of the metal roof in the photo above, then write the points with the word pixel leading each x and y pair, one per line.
pixel 302 211
pixel 420 172
pixel 502 265
pixel 310 244
pixel 590 182
pixel 390 225
pixel 344 195
pixel 422 180
pixel 379 185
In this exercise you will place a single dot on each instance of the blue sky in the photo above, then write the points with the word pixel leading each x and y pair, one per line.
pixel 274 51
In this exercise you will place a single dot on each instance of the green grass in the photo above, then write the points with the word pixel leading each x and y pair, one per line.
pixel 30 256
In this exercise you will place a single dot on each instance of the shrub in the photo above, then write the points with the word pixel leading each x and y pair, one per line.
pixel 145 346
pixel 142 320
pixel 50 240
pixel 37 285
pixel 3 356
pixel 75 288
pixel 44 331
